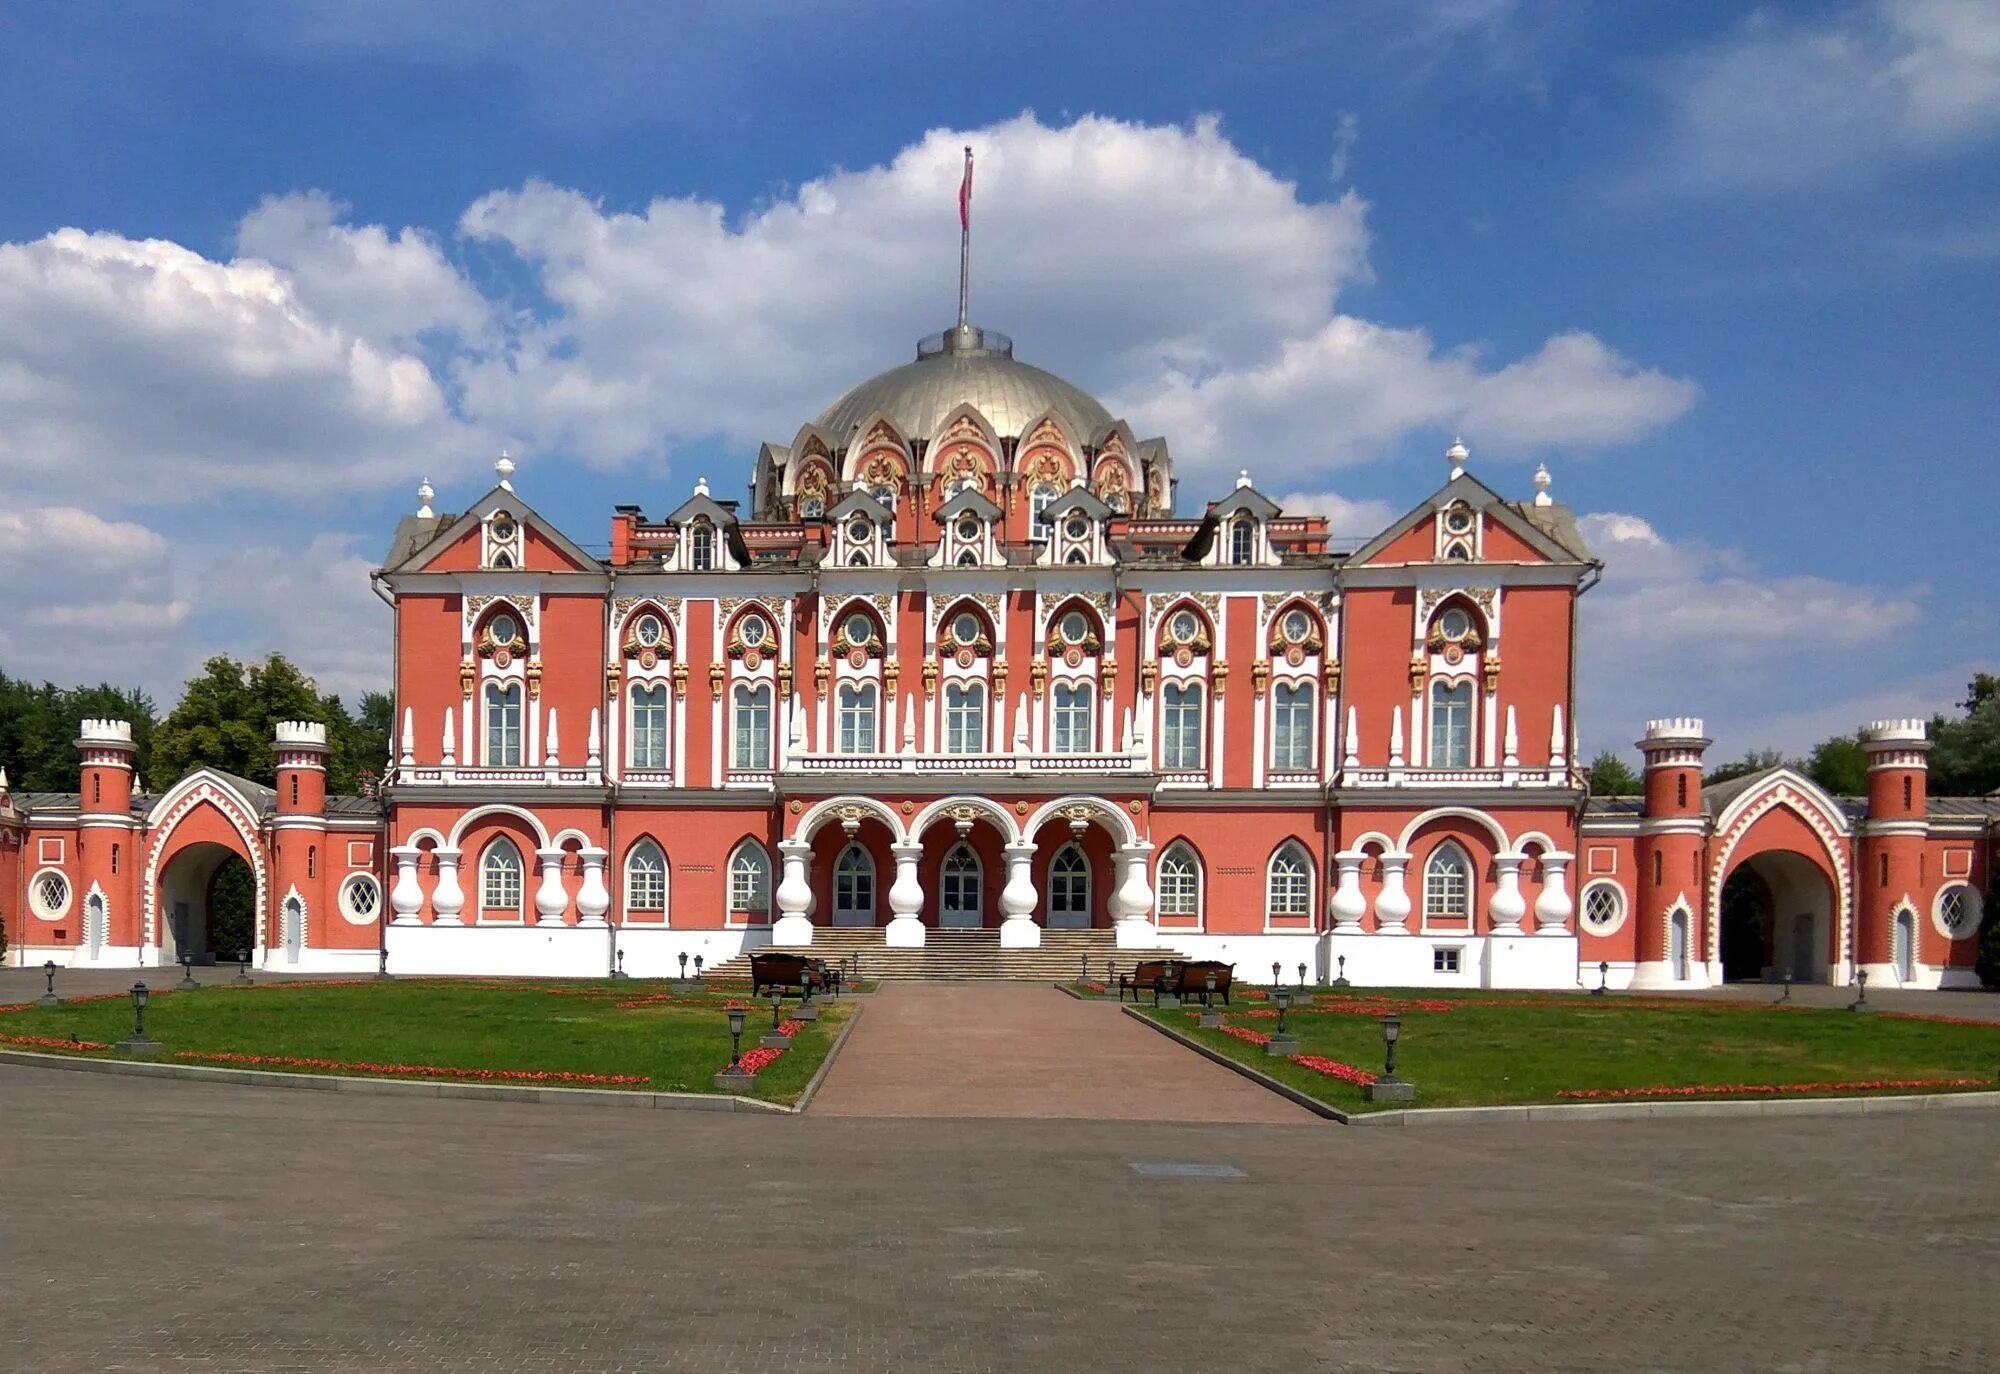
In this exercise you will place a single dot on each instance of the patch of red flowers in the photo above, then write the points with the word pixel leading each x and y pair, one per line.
pixel 76 1001
pixel 419 1070
pixel 1245 1033
pixel 1093 987
pixel 1765 1089
pixel 759 1058
pixel 1333 1068
pixel 791 1027
pixel 50 1042
pixel 1256 994
pixel 651 999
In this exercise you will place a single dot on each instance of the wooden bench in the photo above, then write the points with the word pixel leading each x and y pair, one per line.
pixel 781 971
pixel 1153 975
pixel 1193 983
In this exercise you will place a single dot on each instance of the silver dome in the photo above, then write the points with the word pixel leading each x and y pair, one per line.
pixel 961 366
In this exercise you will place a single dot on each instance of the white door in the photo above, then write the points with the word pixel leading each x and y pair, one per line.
pixel 1677 951
pixel 295 928
pixel 1901 950
pixel 1069 890
pixel 854 888
pixel 93 926
pixel 962 886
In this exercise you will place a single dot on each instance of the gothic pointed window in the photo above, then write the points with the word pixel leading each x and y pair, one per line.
pixel 1289 883
pixel 500 882
pixel 1451 725
pixel 750 880
pixel 1448 884
pixel 1179 881
pixel 646 879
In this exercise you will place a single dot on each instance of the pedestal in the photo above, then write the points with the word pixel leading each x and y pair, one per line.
pixel 1210 1020
pixel 775 1040
pixel 1168 1001
pixel 792 931
pixel 48 999
pixel 1020 932
pixel 735 1081
pixel 138 1045
pixel 1281 1046
pixel 1390 1090
pixel 805 1011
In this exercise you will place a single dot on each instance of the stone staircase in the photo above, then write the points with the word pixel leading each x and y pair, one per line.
pixel 952 955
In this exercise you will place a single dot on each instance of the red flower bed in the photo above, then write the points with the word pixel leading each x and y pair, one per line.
pixel 1093 987
pixel 651 999
pixel 757 1059
pixel 76 1001
pixel 1333 1068
pixel 50 1042
pixel 1766 1089
pixel 1245 1033
pixel 791 1027
pixel 1256 994
pixel 419 1070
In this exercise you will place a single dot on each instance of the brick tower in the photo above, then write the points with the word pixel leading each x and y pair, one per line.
pixel 1667 890
pixel 1890 880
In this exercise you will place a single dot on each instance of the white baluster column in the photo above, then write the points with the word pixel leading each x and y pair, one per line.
pixel 794 895
pixel 1554 906
pixel 406 898
pixel 1508 905
pixel 1132 900
pixel 593 898
pixel 1392 903
pixel 550 898
pixel 1017 901
pixel 1348 904
pixel 906 899
pixel 447 898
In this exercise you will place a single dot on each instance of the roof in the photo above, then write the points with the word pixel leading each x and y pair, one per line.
pixel 970 367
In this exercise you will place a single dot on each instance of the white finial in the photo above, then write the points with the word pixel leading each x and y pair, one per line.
pixel 424 494
pixel 1542 480
pixel 1512 757
pixel 409 754
pixel 910 722
pixel 551 750
pixel 505 467
pixel 1242 478
pixel 593 756
pixel 1456 455
pixel 1396 738
pixel 1558 741
pixel 701 486
pixel 3 782
pixel 450 748
pixel 1351 751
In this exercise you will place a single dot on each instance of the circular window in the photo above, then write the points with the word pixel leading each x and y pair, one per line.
pixel 1075 627
pixel 49 895
pixel 1455 624
pixel 503 629
pixel 1603 908
pixel 965 629
pixel 858 530
pixel 1957 913
pixel 648 630
pixel 812 508
pixel 1076 527
pixel 1184 627
pixel 885 494
pixel 753 631
pixel 1458 519
pixel 859 631
pixel 1297 626
pixel 503 529
pixel 361 899
pixel 968 528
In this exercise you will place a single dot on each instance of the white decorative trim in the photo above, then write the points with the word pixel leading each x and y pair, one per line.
pixel 203 786
pixel 1583 908
pixel 1492 827
pixel 41 909
pixel 346 900
pixel 465 821
pixel 1974 908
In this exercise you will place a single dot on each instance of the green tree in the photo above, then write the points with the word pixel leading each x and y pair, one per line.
pixel 232 909
pixel 1965 753
pixel 358 745
pixel 1611 776
pixel 1986 958
pixel 227 716
pixel 1755 761
pixel 39 724
pixel 1839 765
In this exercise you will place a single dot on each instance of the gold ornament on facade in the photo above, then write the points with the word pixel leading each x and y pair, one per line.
pixel 1260 677
pixel 613 673
pixel 1491 669
pixel 466 673
pixel 534 673
pixel 1419 670
pixel 716 673
pixel 1149 675
pixel 784 679
pixel 1332 673
pixel 892 672
pixel 1038 677
pixel 930 674
pixel 680 676
pixel 1107 673
pixel 1220 672
pixel 1000 678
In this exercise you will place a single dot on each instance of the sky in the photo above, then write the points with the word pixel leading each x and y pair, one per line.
pixel 1731 272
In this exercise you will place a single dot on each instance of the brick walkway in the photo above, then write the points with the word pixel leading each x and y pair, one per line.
pixel 1027 1050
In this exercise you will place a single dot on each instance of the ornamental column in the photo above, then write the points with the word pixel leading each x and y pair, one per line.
pixel 793 895
pixel 447 898
pixel 593 898
pixel 406 898
pixel 1554 906
pixel 906 899
pixel 550 899
pixel 1392 903
pixel 1132 900
pixel 1017 901
pixel 1348 904
pixel 1508 905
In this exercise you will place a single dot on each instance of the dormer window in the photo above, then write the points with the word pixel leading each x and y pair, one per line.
pixel 1242 543
pixel 859 530
pixel 968 528
pixel 701 547
pixel 885 494
pixel 503 541
pixel 1039 500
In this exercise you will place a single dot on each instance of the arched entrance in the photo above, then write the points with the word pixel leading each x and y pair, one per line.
pixel 208 905
pixel 1777 918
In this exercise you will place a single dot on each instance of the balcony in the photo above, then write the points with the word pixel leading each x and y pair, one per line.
pixel 932 765
pixel 458 775
pixel 1453 777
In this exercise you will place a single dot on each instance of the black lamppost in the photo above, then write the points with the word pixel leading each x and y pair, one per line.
pixel 242 978
pixel 777 1040
pixel 684 965
pixel 382 973
pixel 806 1011
pixel 1302 975
pixel 1086 969
pixel 49 998
pixel 1340 981
pixel 1389 1088
pixel 187 981
pixel 619 972
pixel 1860 1003
pixel 1281 1042
pixel 1786 995
pixel 733 1078
pixel 697 968
pixel 137 1042
pixel 1277 976
pixel 1603 978
pixel 1209 1019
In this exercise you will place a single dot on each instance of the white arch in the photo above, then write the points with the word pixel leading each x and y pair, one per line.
pixel 500 809
pixel 427 833
pixel 1526 838
pixel 570 834
pixel 1361 842
pixel 822 812
pixel 995 812
pixel 1484 821
pixel 1821 816
pixel 1113 817
pixel 220 791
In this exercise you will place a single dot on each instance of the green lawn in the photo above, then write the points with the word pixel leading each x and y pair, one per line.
pixel 672 1041
pixel 1491 1049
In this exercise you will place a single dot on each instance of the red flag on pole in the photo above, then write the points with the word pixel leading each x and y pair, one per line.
pixel 965 195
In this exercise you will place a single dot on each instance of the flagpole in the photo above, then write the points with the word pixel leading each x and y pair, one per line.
pixel 964 237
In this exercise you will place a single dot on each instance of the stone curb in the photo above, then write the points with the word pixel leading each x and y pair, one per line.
pixel 1286 1090
pixel 394 1087
pixel 1655 1110
pixel 833 1053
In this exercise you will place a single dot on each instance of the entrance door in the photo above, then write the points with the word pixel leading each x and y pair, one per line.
pixel 1677 947
pixel 295 928
pixel 1069 890
pixel 854 888
pixel 1802 947
pixel 963 888
pixel 93 925
pixel 1903 938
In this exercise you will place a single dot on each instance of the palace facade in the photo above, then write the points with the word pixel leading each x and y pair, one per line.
pixel 963 662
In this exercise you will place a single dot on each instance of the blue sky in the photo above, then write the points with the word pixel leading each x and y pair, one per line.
pixel 1730 271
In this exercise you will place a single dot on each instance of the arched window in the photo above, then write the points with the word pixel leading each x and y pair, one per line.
pixel 701 547
pixel 965 718
pixel 1451 725
pixel 968 559
pixel 752 745
pixel 503 725
pixel 1180 882
pixel 1039 500
pixel 1448 884
pixel 312 861
pixel 1180 741
pixel 500 882
pixel 1681 790
pixel 1075 556
pixel 649 726
pixel 750 880
pixel 1242 542
pixel 854 888
pixel 1289 886
pixel 857 718
pixel 1292 727
pixel 962 884
pixel 1069 889
pixel 646 879
pixel 1070 714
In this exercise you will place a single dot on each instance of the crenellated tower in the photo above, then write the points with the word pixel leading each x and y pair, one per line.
pixel 1890 880
pixel 107 844
pixel 300 859
pixel 1667 890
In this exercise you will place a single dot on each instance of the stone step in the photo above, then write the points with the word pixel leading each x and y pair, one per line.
pixel 953 955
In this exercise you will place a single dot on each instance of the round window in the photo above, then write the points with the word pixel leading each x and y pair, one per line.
pixel 812 508
pixel 360 899
pixel 753 631
pixel 1297 626
pixel 968 528
pixel 1184 627
pixel 503 629
pixel 965 629
pixel 1958 911
pixel 1076 527
pixel 1455 624
pixel 859 631
pixel 49 895
pixel 503 528
pixel 648 630
pixel 1458 519
pixel 1075 628
pixel 859 530
pixel 1603 908
pixel 885 494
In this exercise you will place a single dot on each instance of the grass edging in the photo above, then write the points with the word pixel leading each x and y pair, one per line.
pixel 485 1092
pixel 1545 1112
pixel 1286 1090
pixel 833 1052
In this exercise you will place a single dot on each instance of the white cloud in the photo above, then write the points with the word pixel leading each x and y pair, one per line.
pixel 1798 104
pixel 1346 133
pixel 311 602
pixel 1347 520
pixel 87 593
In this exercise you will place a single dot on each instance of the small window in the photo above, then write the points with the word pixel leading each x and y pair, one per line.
pixel 750 879
pixel 1444 958
pixel 812 508
pixel 648 631
pixel 1075 628
pixel 1288 890
pixel 1039 500
pixel 360 899
pixel 1297 627
pixel 701 547
pixel 1242 543
pixel 114 860
pixel 1681 791
pixel 753 631
pixel 50 895
pixel 1179 882
pixel 1075 556
pixel 97 790
pixel 1958 911
pixel 503 629
pixel 295 791
pixel 1909 793
pixel 1658 872
pixel 968 529
pixel 500 882
pixel 312 861
pixel 1076 527
pixel 965 628
pixel 1448 884
pixel 1455 624
pixel 646 878
pixel 859 530
pixel 859 629
pixel 1183 628
pixel 1603 908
